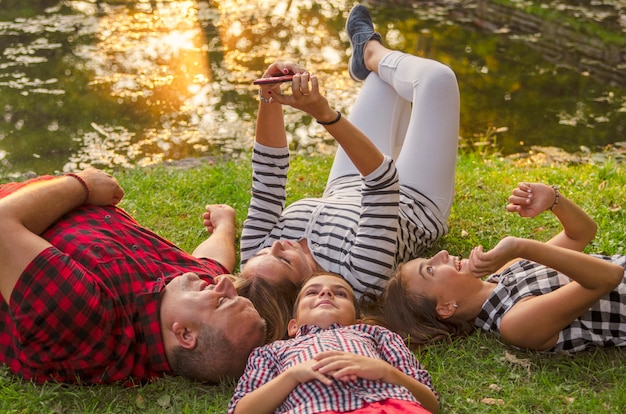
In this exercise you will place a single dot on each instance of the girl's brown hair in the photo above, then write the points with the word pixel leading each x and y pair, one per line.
pixel 273 301
pixel 414 316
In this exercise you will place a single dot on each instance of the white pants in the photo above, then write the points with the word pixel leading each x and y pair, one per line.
pixel 410 111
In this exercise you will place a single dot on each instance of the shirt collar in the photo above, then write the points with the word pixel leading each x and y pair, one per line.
pixel 313 329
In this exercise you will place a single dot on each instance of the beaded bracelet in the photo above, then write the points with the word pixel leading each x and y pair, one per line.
pixel 334 121
pixel 83 183
pixel 556 196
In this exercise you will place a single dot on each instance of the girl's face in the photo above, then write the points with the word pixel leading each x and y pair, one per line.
pixel 438 277
pixel 283 260
pixel 322 301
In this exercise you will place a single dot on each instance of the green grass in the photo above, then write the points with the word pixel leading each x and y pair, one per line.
pixel 577 23
pixel 476 374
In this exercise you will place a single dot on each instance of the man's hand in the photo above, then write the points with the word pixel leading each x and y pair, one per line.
pixel 104 189
pixel 217 215
pixel 219 220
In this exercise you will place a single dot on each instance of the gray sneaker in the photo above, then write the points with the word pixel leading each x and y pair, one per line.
pixel 360 31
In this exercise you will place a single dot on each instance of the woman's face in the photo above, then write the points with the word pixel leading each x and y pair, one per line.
pixel 283 260
pixel 437 277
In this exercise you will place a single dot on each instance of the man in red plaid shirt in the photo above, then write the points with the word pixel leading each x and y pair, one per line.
pixel 90 296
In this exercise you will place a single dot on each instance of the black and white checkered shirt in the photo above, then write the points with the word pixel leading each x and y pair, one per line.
pixel 604 324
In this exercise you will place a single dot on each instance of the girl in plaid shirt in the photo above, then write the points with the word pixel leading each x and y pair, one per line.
pixel 333 363
pixel 544 296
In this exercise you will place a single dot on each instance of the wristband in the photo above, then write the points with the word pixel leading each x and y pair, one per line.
pixel 334 121
pixel 83 183
pixel 556 196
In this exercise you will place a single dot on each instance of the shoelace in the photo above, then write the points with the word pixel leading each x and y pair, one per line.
pixel 355 40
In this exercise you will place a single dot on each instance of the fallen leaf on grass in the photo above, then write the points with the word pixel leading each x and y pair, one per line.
pixel 164 401
pixel 492 401
pixel 139 402
pixel 495 387
pixel 518 361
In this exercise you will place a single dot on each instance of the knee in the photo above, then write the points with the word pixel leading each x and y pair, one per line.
pixel 440 74
pixel 438 80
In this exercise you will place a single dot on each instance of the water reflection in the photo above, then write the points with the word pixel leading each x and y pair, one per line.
pixel 151 64
pixel 119 83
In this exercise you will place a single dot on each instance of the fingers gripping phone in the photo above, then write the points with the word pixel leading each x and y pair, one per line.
pixel 273 79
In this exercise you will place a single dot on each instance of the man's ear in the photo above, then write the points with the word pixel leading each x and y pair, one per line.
pixel 186 337
pixel 292 328
pixel 445 310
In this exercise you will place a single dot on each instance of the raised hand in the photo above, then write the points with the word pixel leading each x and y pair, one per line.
pixel 306 96
pixel 217 215
pixel 482 263
pixel 529 200
pixel 279 68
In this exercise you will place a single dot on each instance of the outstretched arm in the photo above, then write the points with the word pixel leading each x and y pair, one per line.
pixel 592 279
pixel 270 125
pixel 306 96
pixel 27 212
pixel 219 220
pixel 531 199
pixel 270 165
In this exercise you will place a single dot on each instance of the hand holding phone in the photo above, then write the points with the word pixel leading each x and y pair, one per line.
pixel 273 79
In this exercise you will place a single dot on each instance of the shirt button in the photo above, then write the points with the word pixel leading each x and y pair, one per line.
pixel 315 245
pixel 135 247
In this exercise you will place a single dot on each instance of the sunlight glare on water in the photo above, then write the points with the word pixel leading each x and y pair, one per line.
pixel 124 84
pixel 158 61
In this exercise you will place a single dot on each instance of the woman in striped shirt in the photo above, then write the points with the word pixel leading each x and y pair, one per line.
pixel 390 188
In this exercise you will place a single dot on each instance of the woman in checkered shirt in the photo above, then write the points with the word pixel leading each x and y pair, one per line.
pixel 543 296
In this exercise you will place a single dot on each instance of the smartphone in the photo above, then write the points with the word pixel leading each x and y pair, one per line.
pixel 273 79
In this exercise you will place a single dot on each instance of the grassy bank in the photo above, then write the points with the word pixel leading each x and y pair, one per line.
pixel 578 21
pixel 477 374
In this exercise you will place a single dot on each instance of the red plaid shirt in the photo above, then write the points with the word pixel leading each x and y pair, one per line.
pixel 87 309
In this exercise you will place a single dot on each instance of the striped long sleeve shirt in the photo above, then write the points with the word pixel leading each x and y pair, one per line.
pixel 361 227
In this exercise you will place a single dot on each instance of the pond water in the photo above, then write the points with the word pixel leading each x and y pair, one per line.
pixel 132 83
